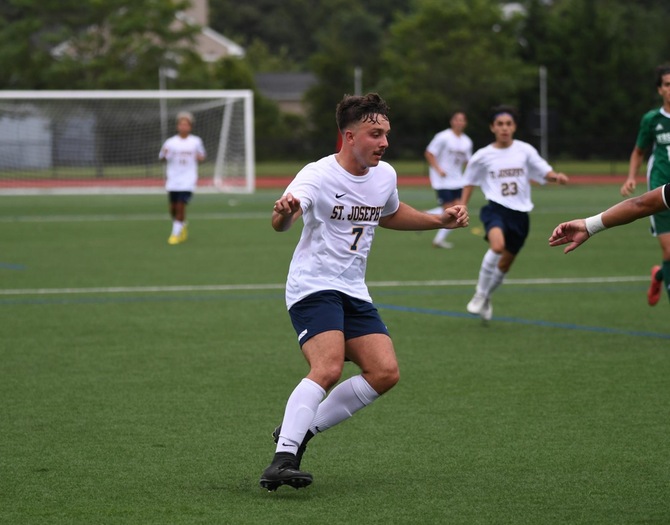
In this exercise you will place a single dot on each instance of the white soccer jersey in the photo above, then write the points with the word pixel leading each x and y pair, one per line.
pixel 340 212
pixel 504 174
pixel 181 155
pixel 451 152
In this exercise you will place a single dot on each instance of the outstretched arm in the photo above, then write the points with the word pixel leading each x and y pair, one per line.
pixel 559 178
pixel 578 231
pixel 285 212
pixel 408 218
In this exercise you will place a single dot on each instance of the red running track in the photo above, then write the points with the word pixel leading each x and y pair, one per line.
pixel 261 182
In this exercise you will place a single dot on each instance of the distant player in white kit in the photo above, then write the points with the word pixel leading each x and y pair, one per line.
pixel 341 198
pixel 503 170
pixel 182 153
pixel 447 155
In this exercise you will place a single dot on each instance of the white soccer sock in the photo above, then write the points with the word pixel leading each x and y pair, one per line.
pixel 489 264
pixel 441 235
pixel 299 413
pixel 177 226
pixel 435 211
pixel 343 401
pixel 496 280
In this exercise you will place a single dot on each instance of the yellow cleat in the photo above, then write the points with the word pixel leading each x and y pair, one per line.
pixel 174 239
pixel 183 235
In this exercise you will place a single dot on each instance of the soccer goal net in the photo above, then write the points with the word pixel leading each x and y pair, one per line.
pixel 110 140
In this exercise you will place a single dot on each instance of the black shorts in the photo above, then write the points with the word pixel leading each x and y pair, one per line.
pixel 333 310
pixel 180 196
pixel 514 224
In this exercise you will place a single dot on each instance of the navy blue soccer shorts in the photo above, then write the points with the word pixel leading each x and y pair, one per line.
pixel 180 196
pixel 514 224
pixel 444 196
pixel 332 310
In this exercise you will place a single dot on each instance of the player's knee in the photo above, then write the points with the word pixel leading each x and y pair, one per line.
pixel 497 246
pixel 385 378
pixel 326 376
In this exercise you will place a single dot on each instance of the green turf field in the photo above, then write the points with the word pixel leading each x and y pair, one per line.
pixel 140 382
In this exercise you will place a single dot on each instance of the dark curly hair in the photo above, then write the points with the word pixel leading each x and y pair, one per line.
pixel 354 108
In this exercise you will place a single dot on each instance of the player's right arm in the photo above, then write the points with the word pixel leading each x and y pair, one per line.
pixel 644 141
pixel 432 162
pixel 285 212
pixel 636 160
pixel 465 196
pixel 474 170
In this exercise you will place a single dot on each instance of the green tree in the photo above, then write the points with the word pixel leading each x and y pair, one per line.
pixel 352 39
pixel 444 56
pixel 262 60
pixel 78 44
pixel 600 80
pixel 292 27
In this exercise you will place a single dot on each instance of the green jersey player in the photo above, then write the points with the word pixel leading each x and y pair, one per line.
pixel 654 135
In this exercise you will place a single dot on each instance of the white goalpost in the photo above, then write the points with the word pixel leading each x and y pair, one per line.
pixel 108 141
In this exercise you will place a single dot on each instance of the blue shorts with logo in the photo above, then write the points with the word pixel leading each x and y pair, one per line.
pixel 332 310
pixel 514 224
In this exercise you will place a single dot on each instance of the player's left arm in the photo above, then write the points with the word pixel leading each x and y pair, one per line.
pixel 559 178
pixel 408 218
pixel 201 153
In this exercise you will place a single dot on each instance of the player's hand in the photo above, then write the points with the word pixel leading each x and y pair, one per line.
pixel 287 205
pixel 562 178
pixel 455 217
pixel 572 232
pixel 628 188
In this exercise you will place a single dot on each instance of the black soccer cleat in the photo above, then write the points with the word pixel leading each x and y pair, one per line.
pixel 284 470
pixel 303 446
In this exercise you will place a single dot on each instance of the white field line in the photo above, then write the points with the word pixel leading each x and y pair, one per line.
pixel 135 217
pixel 280 286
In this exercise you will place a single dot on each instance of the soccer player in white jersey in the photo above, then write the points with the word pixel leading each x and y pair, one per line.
pixel 654 135
pixel 182 152
pixel 341 199
pixel 504 170
pixel 447 154
pixel 578 231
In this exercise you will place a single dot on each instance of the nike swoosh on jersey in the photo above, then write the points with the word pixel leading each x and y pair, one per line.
pixel 339 195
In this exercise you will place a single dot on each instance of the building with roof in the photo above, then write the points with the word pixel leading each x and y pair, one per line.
pixel 286 89
pixel 210 45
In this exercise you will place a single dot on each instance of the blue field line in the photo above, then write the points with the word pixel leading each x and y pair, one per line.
pixel 11 266
pixel 530 322
pixel 279 296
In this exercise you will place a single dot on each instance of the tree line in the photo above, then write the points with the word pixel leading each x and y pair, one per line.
pixel 427 58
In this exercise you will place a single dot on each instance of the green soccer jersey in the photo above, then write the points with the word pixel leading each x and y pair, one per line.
pixel 655 134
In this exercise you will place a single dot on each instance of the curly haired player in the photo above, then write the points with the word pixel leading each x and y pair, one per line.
pixel 341 198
